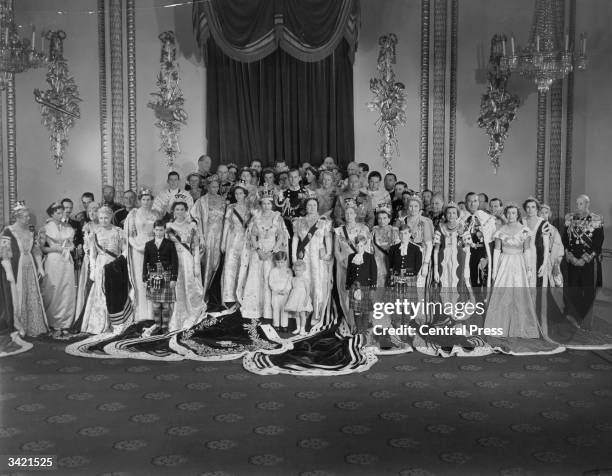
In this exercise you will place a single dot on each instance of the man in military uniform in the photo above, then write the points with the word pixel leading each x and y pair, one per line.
pixel 583 240
pixel 290 201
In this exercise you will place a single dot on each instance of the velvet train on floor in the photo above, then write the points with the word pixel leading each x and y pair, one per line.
pixel 220 336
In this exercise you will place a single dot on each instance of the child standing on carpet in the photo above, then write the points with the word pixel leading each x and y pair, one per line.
pixel 279 281
pixel 160 271
pixel 299 301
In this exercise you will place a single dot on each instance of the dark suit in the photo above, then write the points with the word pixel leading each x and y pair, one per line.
pixel 410 262
pixel 365 274
pixel 166 255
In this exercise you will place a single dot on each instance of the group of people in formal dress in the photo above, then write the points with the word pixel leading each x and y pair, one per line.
pixel 300 248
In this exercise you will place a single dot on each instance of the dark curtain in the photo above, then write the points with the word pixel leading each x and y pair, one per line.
pixel 280 108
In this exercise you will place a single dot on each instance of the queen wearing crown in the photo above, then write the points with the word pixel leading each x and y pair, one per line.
pixel 22 308
pixel 266 235
pixel 235 223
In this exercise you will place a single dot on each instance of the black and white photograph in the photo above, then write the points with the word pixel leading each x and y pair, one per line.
pixel 305 237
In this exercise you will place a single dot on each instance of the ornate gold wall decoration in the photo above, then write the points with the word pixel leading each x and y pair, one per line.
pixel 389 100
pixel 60 103
pixel 168 102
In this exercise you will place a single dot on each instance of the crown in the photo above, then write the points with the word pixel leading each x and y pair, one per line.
pixel 266 193
pixel 242 185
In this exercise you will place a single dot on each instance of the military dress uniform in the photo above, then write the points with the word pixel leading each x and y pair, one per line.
pixel 583 240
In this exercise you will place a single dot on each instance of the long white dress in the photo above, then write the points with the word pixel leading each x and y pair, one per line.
pixel 512 307
pixel 189 308
pixel 209 211
pixel 58 286
pixel 234 233
pixel 138 227
pixel 253 292
pixel 318 271
pixel 106 244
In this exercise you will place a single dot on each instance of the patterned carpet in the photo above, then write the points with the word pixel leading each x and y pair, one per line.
pixel 409 415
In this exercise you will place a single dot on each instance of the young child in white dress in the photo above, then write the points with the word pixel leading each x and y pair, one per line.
pixel 299 301
pixel 279 281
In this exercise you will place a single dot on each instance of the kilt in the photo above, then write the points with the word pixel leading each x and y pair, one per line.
pixel 361 309
pixel 163 293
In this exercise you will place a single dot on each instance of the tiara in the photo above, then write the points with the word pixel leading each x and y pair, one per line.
pixel 383 208
pixel 451 204
pixel 242 185
pixel 212 178
pixel 350 203
pixel 145 191
pixel 19 206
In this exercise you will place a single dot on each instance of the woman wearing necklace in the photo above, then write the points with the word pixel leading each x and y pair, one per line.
pixel 19 275
pixel 106 244
pixel 312 243
pixel 237 217
pixel 539 230
pixel 58 288
pixel 383 236
pixel 344 238
pixel 139 230
pixel 511 309
pixel 421 231
pixel 326 193
pixel 208 212
pixel 189 308
pixel 266 235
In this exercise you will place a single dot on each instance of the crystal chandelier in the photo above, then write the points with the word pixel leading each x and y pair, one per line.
pixel 17 54
pixel 545 59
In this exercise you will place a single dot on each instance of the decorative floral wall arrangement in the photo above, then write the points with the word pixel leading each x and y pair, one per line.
pixel 60 103
pixel 168 102
pixel 389 100
pixel 498 107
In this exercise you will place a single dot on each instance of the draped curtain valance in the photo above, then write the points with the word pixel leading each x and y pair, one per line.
pixel 250 30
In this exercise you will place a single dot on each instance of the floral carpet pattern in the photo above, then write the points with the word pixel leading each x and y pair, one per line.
pixel 410 415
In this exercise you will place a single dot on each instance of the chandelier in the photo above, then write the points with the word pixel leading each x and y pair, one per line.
pixel 17 54
pixel 547 57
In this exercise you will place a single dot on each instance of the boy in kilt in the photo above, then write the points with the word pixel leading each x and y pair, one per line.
pixel 160 271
